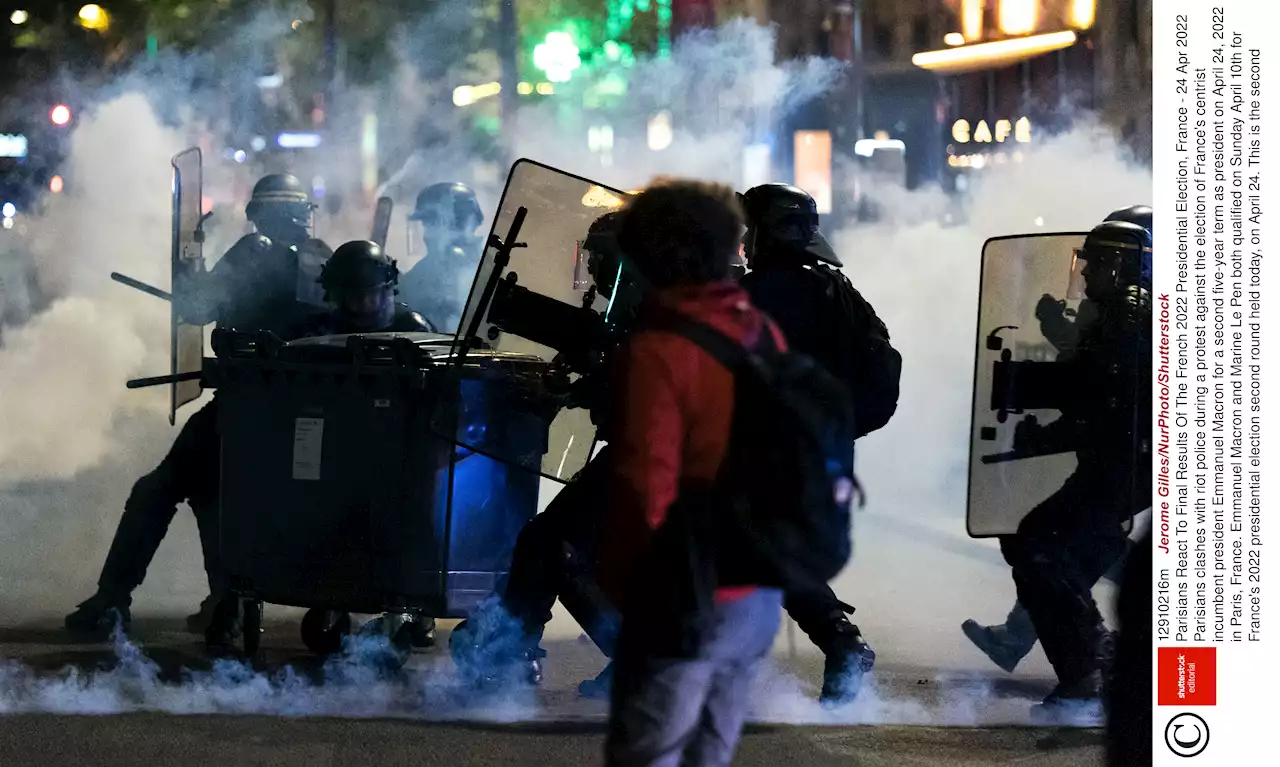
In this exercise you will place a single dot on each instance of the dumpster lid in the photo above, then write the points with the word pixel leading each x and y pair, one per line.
pixel 436 346
pixel 419 339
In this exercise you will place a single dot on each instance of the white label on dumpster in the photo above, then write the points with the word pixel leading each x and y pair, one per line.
pixel 308 434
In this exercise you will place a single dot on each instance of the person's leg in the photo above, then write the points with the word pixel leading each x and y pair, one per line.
pixel 822 617
pixel 666 712
pixel 147 513
pixel 655 710
pixel 1054 579
pixel 1006 644
pixel 1129 717
pixel 749 629
pixel 507 629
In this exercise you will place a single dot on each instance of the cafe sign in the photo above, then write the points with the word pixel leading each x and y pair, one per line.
pixel 1019 131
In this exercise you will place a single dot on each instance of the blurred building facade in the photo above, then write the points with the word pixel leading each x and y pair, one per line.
pixel 962 83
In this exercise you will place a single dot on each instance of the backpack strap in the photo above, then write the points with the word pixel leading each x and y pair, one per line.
pixel 721 347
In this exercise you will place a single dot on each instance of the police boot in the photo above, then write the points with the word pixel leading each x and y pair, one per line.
pixel 422 633
pixel 494 658
pixel 1006 644
pixel 599 687
pixel 225 627
pixel 198 621
pixel 96 618
pixel 849 658
pixel 1075 703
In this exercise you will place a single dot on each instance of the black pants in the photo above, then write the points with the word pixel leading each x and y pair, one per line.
pixel 1129 720
pixel 1060 551
pixel 188 473
pixel 541 571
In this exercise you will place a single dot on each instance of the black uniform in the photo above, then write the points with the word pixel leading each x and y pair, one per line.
pixel 792 280
pixel 254 286
pixel 554 555
pixel 1069 540
pixel 404 320
pixel 1008 643
pixel 438 285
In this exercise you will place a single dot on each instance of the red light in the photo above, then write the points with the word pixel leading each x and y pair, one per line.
pixel 60 115
pixel 55 184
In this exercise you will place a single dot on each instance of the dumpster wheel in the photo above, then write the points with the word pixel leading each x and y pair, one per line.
pixel 323 630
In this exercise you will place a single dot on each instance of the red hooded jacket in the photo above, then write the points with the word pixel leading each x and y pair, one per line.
pixel 673 411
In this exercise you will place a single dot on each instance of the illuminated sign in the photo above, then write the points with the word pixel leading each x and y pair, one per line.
pixel 298 140
pixel 978 160
pixel 867 147
pixel 13 145
pixel 813 166
pixel 963 133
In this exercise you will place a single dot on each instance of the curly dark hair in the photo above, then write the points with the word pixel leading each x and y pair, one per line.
pixel 682 232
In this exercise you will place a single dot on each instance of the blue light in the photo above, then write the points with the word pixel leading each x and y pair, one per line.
pixel 10 210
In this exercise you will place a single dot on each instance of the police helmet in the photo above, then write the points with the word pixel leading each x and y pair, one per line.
pixel 356 268
pixel 280 197
pixel 788 216
pixel 1134 214
pixel 1120 253
pixel 448 205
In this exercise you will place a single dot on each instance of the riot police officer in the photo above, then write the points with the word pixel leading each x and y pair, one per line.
pixel 359 280
pixel 554 555
pixel 437 285
pixel 1066 542
pixel 1006 644
pixel 794 278
pixel 254 286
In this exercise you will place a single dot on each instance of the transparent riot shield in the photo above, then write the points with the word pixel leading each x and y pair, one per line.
pixel 1022 376
pixel 186 348
pixel 530 296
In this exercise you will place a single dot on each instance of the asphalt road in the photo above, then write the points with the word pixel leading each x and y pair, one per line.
pixel 158 701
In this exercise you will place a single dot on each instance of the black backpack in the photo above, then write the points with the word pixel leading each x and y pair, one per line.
pixel 782 499
pixel 864 359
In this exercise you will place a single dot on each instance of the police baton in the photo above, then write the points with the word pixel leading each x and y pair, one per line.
pixel 142 383
pixel 144 287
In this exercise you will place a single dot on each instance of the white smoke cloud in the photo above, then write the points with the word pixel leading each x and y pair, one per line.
pixel 74 439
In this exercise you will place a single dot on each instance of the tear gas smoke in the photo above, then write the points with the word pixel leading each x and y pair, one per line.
pixel 352 684
pixel 74 439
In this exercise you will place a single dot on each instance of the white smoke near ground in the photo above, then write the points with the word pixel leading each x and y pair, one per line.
pixel 74 439
pixel 352 684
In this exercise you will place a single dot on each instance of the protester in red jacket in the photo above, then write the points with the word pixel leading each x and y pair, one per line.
pixel 672 425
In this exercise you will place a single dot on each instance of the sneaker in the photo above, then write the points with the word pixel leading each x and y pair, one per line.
pixel 600 686
pixel 848 661
pixel 97 617
pixel 1004 650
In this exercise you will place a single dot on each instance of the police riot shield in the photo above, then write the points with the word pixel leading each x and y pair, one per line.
pixel 533 295
pixel 186 349
pixel 1027 322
